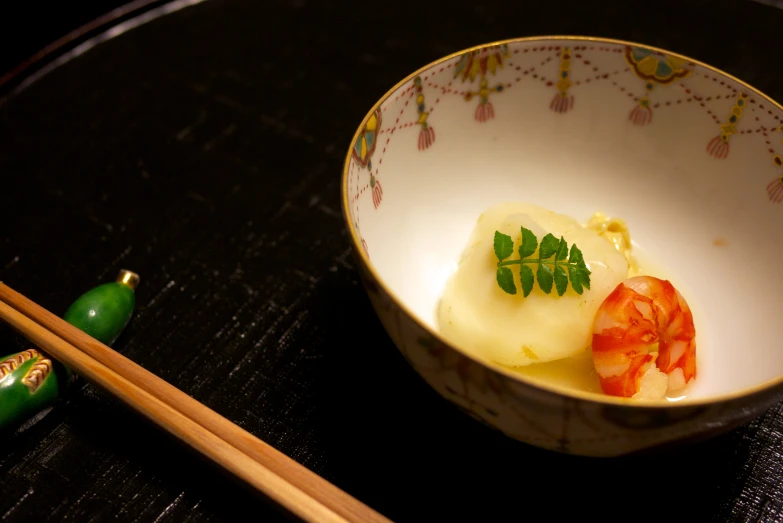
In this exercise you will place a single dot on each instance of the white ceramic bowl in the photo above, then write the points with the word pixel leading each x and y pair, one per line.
pixel 687 155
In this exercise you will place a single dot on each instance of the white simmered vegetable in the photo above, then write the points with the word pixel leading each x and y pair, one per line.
pixel 515 330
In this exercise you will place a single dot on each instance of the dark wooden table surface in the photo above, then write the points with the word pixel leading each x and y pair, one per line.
pixel 203 150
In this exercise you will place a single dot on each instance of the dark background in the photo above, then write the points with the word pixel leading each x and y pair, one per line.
pixel 249 300
pixel 28 27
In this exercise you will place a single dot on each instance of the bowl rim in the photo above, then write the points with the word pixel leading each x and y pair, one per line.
pixel 591 397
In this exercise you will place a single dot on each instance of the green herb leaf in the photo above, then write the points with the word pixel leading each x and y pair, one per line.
pixel 529 243
pixel 576 256
pixel 576 279
pixel 562 250
pixel 584 272
pixel 504 245
pixel 549 246
pixel 561 280
pixel 506 280
pixel 544 275
pixel 526 279
pixel 553 267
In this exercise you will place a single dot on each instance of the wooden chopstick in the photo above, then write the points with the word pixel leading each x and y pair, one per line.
pixel 282 479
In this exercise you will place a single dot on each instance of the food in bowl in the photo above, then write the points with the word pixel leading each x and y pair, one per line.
pixel 639 331
pixel 689 157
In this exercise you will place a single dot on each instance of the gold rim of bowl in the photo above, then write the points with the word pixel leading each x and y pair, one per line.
pixel 563 391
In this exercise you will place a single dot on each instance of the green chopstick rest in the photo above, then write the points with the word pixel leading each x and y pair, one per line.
pixel 31 381
pixel 104 312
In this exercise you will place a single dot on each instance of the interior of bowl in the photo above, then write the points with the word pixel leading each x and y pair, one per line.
pixel 689 157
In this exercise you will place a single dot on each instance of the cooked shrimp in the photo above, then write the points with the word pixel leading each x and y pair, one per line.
pixel 644 340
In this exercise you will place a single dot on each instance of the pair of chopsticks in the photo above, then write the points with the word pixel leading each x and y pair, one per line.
pixel 294 487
